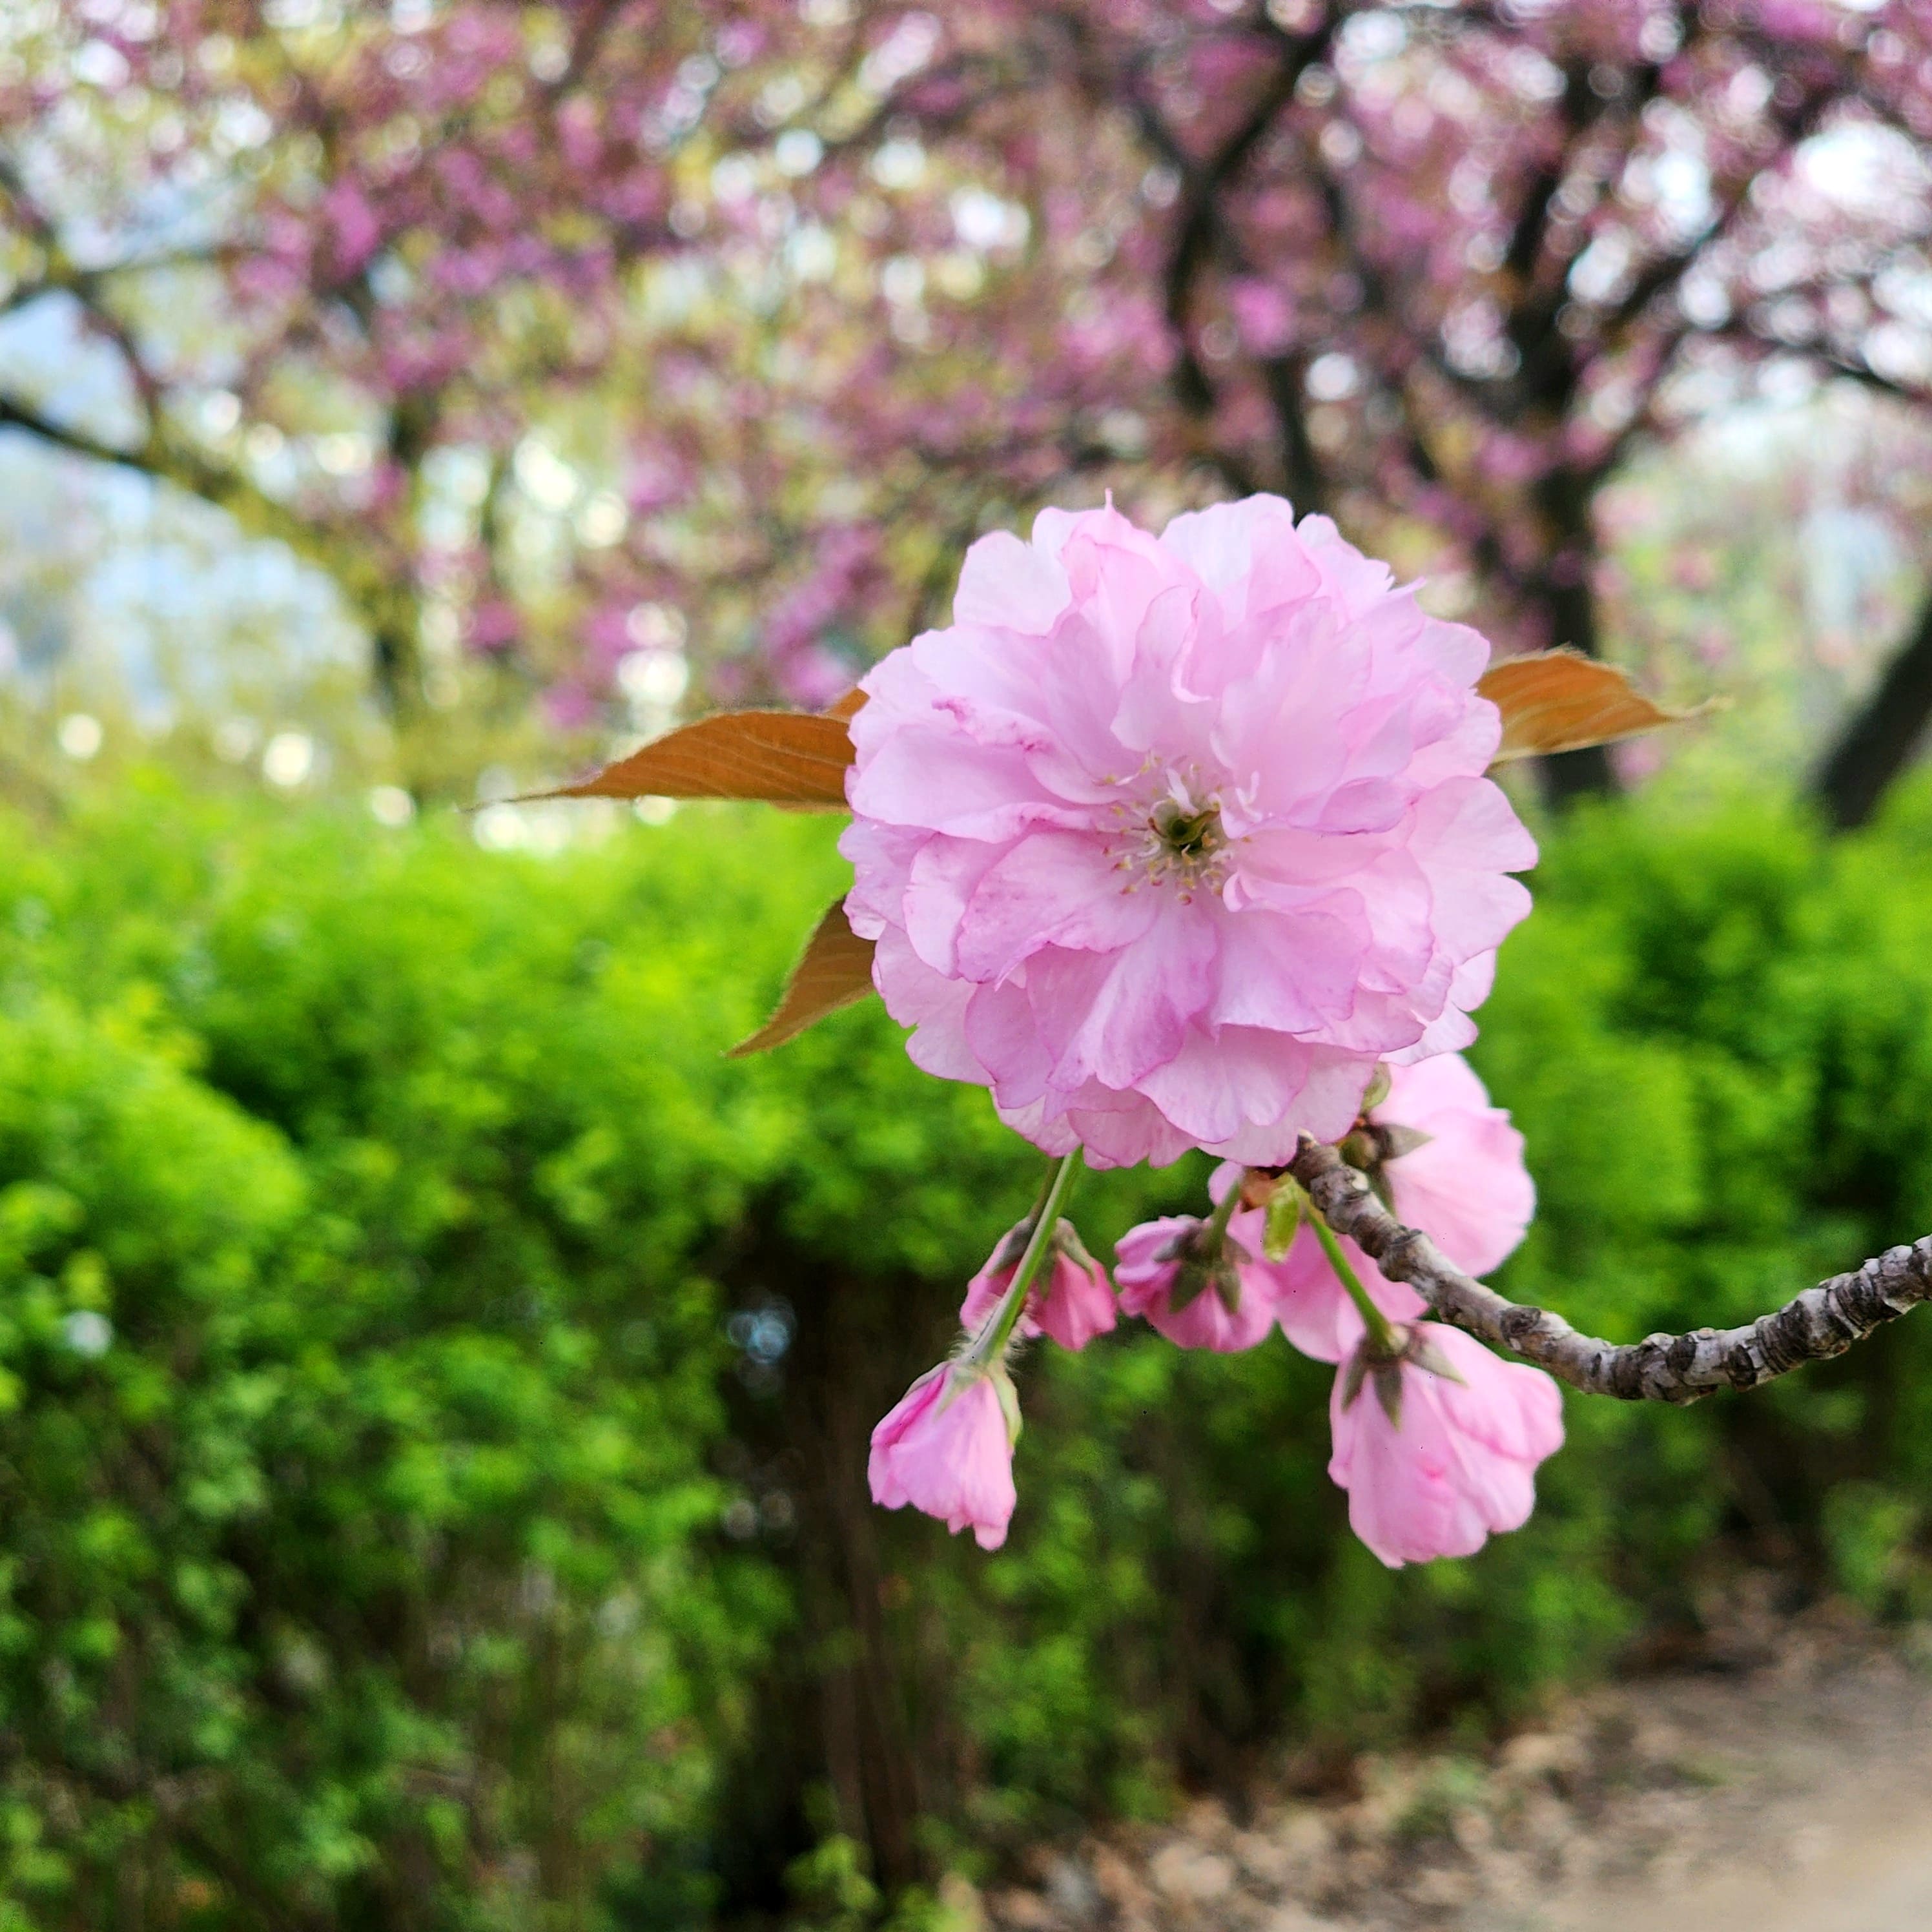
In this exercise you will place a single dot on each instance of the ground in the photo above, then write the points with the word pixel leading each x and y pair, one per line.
pixel 1784 1785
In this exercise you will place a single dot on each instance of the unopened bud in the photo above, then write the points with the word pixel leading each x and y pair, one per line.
pixel 1208 1258
pixel 1397 1140
pixel 1368 1146
pixel 1066 1241
pixel 1423 1353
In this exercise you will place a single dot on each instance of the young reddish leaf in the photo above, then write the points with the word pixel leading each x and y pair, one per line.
pixel 1561 701
pixel 781 758
pixel 834 969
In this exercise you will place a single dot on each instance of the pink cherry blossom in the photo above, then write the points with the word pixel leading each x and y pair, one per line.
pixel 358 231
pixel 1456 1461
pixel 1174 1258
pixel 947 1449
pixel 1465 1185
pixel 402 273
pixel 1167 840
pixel 1072 1301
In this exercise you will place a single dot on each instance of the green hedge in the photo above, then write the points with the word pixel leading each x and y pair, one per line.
pixel 433 1382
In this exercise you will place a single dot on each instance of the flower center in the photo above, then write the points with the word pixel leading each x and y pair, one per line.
pixel 1177 839
pixel 1191 836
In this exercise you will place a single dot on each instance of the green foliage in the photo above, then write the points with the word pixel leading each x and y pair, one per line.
pixel 400 1524
pixel 369 1568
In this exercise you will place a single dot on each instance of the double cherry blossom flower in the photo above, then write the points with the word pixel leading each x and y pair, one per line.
pixel 1186 841
pixel 1438 1446
pixel 1168 841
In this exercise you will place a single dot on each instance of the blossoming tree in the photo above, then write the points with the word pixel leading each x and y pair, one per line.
pixel 564 335
pixel 1440 267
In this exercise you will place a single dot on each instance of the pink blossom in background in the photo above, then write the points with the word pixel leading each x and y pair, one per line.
pixel 655 483
pixel 1149 1264
pixel 947 1450
pixel 1458 1464
pixel 493 625
pixel 1071 1302
pixel 1636 759
pixel 356 232
pixel 607 634
pixel 1264 315
pixel 747 452
pixel 1168 840
pixel 811 676
pixel 1508 458
pixel 569 706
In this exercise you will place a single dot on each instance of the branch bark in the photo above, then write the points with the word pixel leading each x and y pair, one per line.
pixel 1822 1322
pixel 382 599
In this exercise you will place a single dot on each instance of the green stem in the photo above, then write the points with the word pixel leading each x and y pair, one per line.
pixel 990 1344
pixel 1381 1337
pixel 1216 1227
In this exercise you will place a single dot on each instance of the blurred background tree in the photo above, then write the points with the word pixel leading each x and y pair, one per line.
pixel 589 348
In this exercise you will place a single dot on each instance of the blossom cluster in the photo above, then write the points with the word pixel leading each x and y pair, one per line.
pixel 1435 1440
pixel 1186 841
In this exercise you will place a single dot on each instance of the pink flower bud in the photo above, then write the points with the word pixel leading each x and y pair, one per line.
pixel 947 1449
pixel 1437 1453
pixel 1071 1299
pixel 1200 1291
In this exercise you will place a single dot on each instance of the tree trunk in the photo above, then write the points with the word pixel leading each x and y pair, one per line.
pixel 1563 591
pixel 1302 482
pixel 394 668
pixel 1879 741
pixel 837 1740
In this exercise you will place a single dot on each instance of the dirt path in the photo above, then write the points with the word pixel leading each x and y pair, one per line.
pixel 1869 1884
pixel 1789 1791
pixel 1824 1821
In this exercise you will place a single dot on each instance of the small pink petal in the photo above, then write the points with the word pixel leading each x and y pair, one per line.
pixel 945 1449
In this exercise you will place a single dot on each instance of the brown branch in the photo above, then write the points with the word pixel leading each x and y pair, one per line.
pixel 355 567
pixel 1669 270
pixel 170 459
pixel 1834 362
pixel 158 452
pixel 1531 230
pixel 585 46
pixel 1822 1322
pixel 76 442
pixel 1202 227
